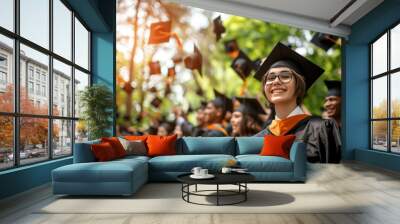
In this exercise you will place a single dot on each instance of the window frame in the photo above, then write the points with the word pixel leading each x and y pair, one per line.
pixel 16 114
pixel 388 74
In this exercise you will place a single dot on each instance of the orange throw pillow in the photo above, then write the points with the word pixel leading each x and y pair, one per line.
pixel 136 137
pixel 277 145
pixel 103 152
pixel 161 145
pixel 116 145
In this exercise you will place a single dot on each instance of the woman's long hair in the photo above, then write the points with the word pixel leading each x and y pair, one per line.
pixel 250 125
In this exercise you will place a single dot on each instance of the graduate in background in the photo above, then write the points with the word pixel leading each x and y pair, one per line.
pixel 286 76
pixel 214 116
pixel 246 119
pixel 333 101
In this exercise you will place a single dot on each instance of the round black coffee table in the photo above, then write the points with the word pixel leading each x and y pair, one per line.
pixel 238 179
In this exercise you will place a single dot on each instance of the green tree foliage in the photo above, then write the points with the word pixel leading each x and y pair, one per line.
pixel 97 102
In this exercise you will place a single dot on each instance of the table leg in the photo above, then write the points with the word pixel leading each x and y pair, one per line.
pixel 217 194
pixel 196 188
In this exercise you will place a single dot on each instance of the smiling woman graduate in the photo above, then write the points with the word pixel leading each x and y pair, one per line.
pixel 286 76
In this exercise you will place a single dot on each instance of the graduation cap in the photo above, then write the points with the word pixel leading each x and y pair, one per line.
pixel 160 32
pixel 334 87
pixel 199 92
pixel 324 41
pixel 127 88
pixel 232 48
pixel 242 65
pixel 155 68
pixel 153 89
pixel 168 89
pixel 171 72
pixel 223 101
pixel 156 102
pixel 283 56
pixel 194 61
pixel 250 106
pixel 218 28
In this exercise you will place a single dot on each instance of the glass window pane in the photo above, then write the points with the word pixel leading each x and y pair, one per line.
pixel 34 72
pixel 379 98
pixel 33 139
pixel 395 138
pixel 395 47
pixel 62 29
pixel 7 14
pixel 81 131
pixel 81 81
pixel 62 138
pixel 35 21
pixel 379 55
pixel 6 74
pixel 6 142
pixel 379 135
pixel 62 89
pixel 81 45
pixel 395 94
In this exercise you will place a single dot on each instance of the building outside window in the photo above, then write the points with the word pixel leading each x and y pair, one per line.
pixel 385 95
pixel 34 73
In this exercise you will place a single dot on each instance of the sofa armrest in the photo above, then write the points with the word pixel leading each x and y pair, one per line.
pixel 299 158
pixel 83 152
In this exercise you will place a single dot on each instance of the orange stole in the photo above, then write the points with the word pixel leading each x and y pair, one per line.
pixel 282 127
pixel 217 127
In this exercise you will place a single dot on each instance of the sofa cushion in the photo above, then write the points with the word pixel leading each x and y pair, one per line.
pixel 103 152
pixel 277 145
pixel 161 145
pixel 134 147
pixel 185 163
pixel 116 145
pixel 112 171
pixel 206 145
pixel 249 145
pixel 257 163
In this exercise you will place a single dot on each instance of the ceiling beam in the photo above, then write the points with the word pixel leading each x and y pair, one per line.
pixel 347 12
pixel 269 15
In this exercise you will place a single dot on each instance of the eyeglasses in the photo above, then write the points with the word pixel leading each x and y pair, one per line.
pixel 284 77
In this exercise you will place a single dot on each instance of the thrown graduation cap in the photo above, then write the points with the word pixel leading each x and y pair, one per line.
pixel 218 28
pixel 324 41
pixel 334 87
pixel 155 68
pixel 153 89
pixel 168 89
pixel 283 56
pixel 232 48
pixel 171 72
pixel 156 102
pixel 250 106
pixel 223 101
pixel 128 88
pixel 194 61
pixel 242 65
pixel 160 32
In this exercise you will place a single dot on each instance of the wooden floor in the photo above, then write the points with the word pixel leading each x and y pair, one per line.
pixel 377 188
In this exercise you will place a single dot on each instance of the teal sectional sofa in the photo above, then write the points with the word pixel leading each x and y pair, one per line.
pixel 125 176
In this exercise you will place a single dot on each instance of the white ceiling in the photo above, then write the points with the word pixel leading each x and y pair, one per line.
pixel 317 15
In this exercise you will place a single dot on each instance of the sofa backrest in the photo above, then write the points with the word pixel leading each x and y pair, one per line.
pixel 249 145
pixel 83 152
pixel 206 145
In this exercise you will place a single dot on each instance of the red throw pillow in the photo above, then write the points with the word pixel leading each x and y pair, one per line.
pixel 161 145
pixel 103 152
pixel 116 145
pixel 277 145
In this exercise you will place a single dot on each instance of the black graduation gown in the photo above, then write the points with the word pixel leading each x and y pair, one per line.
pixel 322 138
